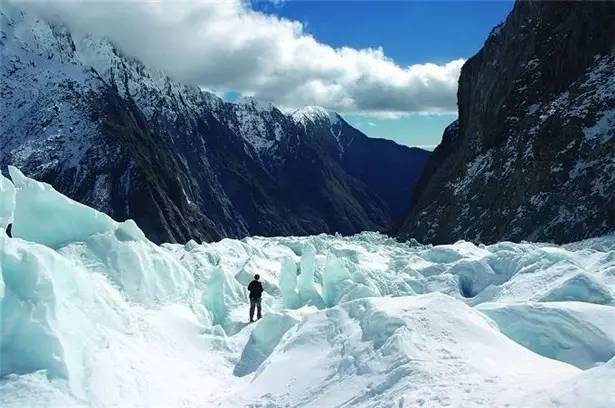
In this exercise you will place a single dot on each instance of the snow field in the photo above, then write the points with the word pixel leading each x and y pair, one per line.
pixel 93 314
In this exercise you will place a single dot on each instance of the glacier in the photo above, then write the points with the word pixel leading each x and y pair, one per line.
pixel 94 314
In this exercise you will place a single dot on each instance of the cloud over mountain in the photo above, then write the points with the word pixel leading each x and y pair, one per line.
pixel 226 45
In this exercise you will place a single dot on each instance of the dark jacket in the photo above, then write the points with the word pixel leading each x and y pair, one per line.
pixel 256 289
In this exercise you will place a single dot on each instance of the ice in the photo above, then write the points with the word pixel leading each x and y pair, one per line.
pixel 29 339
pixel 580 287
pixel 288 283
pixel 95 242
pixel 143 271
pixel 50 312
pixel 94 314
pixel 263 340
pixel 307 290
pixel 129 231
pixel 334 279
pixel 396 351
pixel 7 202
pixel 578 333
pixel 190 245
pixel 49 393
pixel 592 388
pixel 47 217
pixel 549 273
pixel 213 297
pixel 340 285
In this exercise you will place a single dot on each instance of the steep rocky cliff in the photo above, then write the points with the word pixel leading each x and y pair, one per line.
pixel 105 130
pixel 532 155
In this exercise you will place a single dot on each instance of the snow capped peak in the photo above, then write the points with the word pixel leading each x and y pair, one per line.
pixel 314 114
pixel 254 103
pixel 317 115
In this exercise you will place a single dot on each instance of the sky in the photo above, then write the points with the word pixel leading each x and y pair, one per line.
pixel 409 32
pixel 390 68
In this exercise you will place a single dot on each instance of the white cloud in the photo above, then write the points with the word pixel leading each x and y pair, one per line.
pixel 386 115
pixel 225 45
pixel 371 123
pixel 401 115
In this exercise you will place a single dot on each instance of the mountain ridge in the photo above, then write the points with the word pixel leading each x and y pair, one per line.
pixel 106 130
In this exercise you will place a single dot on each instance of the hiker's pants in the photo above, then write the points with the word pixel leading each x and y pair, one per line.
pixel 255 303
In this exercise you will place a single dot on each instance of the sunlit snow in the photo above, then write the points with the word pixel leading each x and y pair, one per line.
pixel 92 313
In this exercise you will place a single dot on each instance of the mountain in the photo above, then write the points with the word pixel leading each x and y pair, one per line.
pixel 532 155
pixel 108 131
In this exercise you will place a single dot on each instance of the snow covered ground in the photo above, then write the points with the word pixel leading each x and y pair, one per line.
pixel 93 314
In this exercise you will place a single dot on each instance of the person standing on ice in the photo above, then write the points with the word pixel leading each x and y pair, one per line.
pixel 256 291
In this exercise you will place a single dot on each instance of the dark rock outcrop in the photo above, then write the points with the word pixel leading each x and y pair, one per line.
pixel 532 156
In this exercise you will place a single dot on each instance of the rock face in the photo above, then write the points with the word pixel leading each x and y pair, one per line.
pixel 105 130
pixel 532 155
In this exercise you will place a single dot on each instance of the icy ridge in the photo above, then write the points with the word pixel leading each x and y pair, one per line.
pixel 314 114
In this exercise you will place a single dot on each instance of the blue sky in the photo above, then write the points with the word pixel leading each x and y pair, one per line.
pixel 410 32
